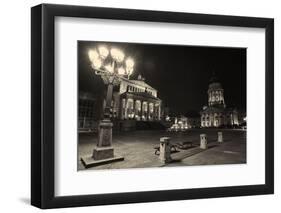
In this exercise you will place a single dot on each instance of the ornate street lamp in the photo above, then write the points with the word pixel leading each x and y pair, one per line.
pixel 112 65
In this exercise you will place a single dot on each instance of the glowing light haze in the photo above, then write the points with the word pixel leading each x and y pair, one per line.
pixel 98 59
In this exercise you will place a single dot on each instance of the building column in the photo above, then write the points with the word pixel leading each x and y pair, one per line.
pixel 155 112
pixel 150 114
pixel 147 108
pixel 146 111
pixel 141 111
pixel 134 108
pixel 126 108
pixel 130 107
pixel 159 112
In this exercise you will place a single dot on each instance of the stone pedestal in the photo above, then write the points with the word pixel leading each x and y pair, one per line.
pixel 101 153
pixel 104 152
pixel 220 137
pixel 165 150
pixel 105 133
pixel 104 149
pixel 203 141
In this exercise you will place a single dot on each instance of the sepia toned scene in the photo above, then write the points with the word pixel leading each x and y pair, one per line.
pixel 159 105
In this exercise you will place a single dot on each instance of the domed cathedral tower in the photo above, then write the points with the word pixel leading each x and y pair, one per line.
pixel 216 114
pixel 215 93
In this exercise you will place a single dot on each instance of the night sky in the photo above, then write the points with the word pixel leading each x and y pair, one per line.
pixel 181 74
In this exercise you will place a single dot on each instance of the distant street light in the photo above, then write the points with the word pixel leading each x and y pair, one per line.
pixel 112 65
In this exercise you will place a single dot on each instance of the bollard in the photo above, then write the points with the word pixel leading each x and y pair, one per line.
pixel 220 137
pixel 165 150
pixel 203 141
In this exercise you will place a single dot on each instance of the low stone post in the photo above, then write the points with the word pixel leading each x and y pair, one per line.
pixel 203 141
pixel 220 137
pixel 165 150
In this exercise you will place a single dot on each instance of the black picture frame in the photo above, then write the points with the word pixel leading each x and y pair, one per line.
pixel 43 102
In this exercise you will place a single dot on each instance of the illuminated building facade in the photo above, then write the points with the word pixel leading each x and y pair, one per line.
pixel 216 114
pixel 136 100
pixel 183 123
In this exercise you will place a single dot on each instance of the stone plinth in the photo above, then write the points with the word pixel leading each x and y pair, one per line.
pixel 89 162
pixel 165 150
pixel 203 141
pixel 103 153
pixel 220 137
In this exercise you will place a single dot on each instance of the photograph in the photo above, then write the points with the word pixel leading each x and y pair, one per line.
pixel 139 105
pixel 160 105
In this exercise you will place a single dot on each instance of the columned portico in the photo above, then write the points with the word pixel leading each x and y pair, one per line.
pixel 136 100
pixel 139 106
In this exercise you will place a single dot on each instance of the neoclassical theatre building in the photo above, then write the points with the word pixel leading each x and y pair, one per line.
pixel 132 101
pixel 136 100
pixel 216 114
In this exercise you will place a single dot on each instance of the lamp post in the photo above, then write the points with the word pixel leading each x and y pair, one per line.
pixel 112 65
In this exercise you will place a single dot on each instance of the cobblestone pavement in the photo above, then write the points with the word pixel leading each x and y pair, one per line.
pixel 138 148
